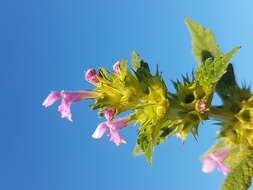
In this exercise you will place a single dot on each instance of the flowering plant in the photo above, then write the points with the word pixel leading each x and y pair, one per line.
pixel 160 114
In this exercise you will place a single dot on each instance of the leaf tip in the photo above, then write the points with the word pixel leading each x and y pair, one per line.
pixel 187 20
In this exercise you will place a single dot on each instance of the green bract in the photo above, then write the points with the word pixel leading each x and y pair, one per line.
pixel 159 114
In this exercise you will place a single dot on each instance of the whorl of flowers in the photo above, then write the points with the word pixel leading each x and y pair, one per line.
pixel 158 113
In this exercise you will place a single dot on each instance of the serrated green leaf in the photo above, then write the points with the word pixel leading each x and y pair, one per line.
pixel 229 90
pixel 165 132
pixel 136 60
pixel 142 71
pixel 237 152
pixel 123 67
pixel 227 82
pixel 210 72
pixel 138 150
pixel 239 177
pixel 145 142
pixel 149 152
pixel 203 42
pixel 151 135
pixel 140 66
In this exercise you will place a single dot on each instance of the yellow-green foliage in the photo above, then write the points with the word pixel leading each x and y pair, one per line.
pixel 151 114
pixel 240 177
pixel 160 113
pixel 240 128
pixel 184 113
pixel 118 91
pixel 203 42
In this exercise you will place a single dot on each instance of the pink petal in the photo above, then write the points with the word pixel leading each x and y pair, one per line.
pixel 100 130
pixel 78 96
pixel 109 114
pixel 64 108
pixel 216 160
pixel 91 76
pixel 51 99
pixel 119 124
pixel 72 97
pixel 116 67
pixel 116 137
pixel 224 169
pixel 222 153
pixel 67 99
pixel 113 126
pixel 208 165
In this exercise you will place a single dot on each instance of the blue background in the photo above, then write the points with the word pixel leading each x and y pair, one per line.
pixel 47 45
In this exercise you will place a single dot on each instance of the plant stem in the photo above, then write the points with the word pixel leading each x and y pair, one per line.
pixel 220 114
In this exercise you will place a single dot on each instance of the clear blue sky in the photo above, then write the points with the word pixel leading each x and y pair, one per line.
pixel 46 45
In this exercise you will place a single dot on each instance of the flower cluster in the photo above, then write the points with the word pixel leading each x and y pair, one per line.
pixel 113 126
pixel 160 113
pixel 120 91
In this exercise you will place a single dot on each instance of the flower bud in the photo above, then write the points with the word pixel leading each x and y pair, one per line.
pixel 116 67
pixel 109 114
pixel 91 76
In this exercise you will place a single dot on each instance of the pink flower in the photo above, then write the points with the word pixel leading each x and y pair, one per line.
pixel 109 114
pixel 67 99
pixel 91 76
pixel 201 106
pixel 113 127
pixel 216 160
pixel 116 67
pixel 51 99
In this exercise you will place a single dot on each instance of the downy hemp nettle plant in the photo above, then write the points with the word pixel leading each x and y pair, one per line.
pixel 160 114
